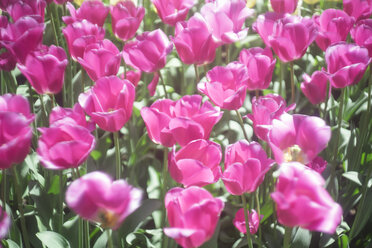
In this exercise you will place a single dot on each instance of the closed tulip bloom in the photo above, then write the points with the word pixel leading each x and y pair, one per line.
pixel 362 34
pixel 298 138
pixel 196 164
pixel 253 219
pixel 133 76
pixel 16 103
pixel 45 69
pixel 264 25
pixel 101 59
pixel 284 6
pixel 93 11
pixel 260 64
pixel 194 42
pixel 291 37
pixel 173 11
pixel 193 214
pixel 245 167
pixel 96 197
pixel 346 64
pixel 169 122
pixel 333 25
pixel 109 103
pixel 126 18
pixel 301 200
pixel 226 86
pixel 27 8
pixel 315 87
pixel 359 9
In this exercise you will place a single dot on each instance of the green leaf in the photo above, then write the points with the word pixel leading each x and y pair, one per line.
pixel 54 187
pixel 53 240
pixel 302 238
pixel 353 176
pixel 11 244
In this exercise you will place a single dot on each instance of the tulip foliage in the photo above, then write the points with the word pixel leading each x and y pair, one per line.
pixel 185 123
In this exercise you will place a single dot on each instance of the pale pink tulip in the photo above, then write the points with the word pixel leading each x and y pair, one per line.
pixel 173 11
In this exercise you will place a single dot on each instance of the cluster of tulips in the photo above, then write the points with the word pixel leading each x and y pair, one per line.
pixel 181 125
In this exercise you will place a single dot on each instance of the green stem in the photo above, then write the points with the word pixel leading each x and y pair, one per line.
pixel 87 239
pixel 82 77
pixel 81 232
pixel 50 13
pixel 326 102
pixel 242 124
pixel 117 155
pixel 292 82
pixel 109 238
pixel 196 73
pixel 4 188
pixel 259 215
pixel 280 77
pixel 2 83
pixel 163 83
pixel 45 115
pixel 287 237
pixel 369 89
pixel 164 191
pixel 249 240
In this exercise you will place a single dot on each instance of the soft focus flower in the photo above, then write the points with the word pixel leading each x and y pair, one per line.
pixel 181 121
pixel 264 110
pixel 301 200
pixel 253 219
pixel 346 64
pixel 27 8
pixel 194 42
pixel 298 138
pixel 93 11
pixel 260 64
pixel 97 198
pixel 101 59
pixel 315 87
pixel 193 214
pixel 64 145
pixel 318 164
pixel 245 167
pixel 264 25
pixel 173 11
pixel 5 223
pixel 5 3
pixel 226 86
pixel 362 34
pixel 133 76
pixel 333 25
pixel 226 18
pixel 45 69
pixel 196 164
pixel 16 103
pixel 291 37
pixel 359 9
pixel 284 6
pixel 126 18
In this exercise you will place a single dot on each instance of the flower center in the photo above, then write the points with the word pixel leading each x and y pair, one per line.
pixel 294 154
pixel 107 218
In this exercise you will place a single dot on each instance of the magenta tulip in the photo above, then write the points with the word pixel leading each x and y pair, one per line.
pixel 27 8
pixel 109 103
pixel 302 201
pixel 253 220
pixel 193 214
pixel 362 34
pixel 318 164
pixel 196 164
pixel 284 6
pixel 96 197
pixel 126 18
pixel 5 3
pixel 346 64
pixel 226 86
pixel 359 9
pixel 17 104
pixel 315 87
pixel 5 223
pixel 264 25
pixel 45 69
pixel 133 76
pixel 260 64
pixel 93 11
pixel 173 11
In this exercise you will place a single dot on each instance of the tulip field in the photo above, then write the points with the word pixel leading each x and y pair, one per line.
pixel 185 123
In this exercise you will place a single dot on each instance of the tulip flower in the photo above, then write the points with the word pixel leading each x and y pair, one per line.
pixel 5 223
pixel 318 164
pixel 17 104
pixel 245 167
pixel 133 76
pixel 93 11
pixel 298 138
pixel 260 64
pixel 5 3
pixel 101 59
pixel 196 164
pixel 173 11
pixel 253 219
pixel 169 122
pixel 96 197
pixel 109 103
pixel 126 18
pixel 45 69
pixel 284 6
pixel 27 8
pixel 193 214
pixel 359 9
pixel 333 25
pixel 302 201
pixel 315 87
pixel 346 64
pixel 264 25
pixel 226 86
pixel 362 34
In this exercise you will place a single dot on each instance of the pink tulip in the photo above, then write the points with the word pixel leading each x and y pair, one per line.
pixel 359 9
pixel 362 34
pixel 334 25
pixel 245 167
pixel 169 122
pixel 93 11
pixel 284 6
pixel 226 19
pixel 264 25
pixel 126 18
pixel 226 86
pixel 109 103
pixel 264 110
pixel 291 37
pixel 346 64
pixel 80 34
pixel 101 59
pixel 45 69
pixel 133 76
pixel 253 219
pixel 22 37
pixel 302 201
pixel 27 8
pixel 7 60
pixel 318 164
pixel 5 223
pixel 193 214
pixel 16 103
pixel 298 138
pixel 196 164
pixel 96 197
pixel 173 11
pixel 260 64
pixel 315 87
pixel 194 42
pixel 5 3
